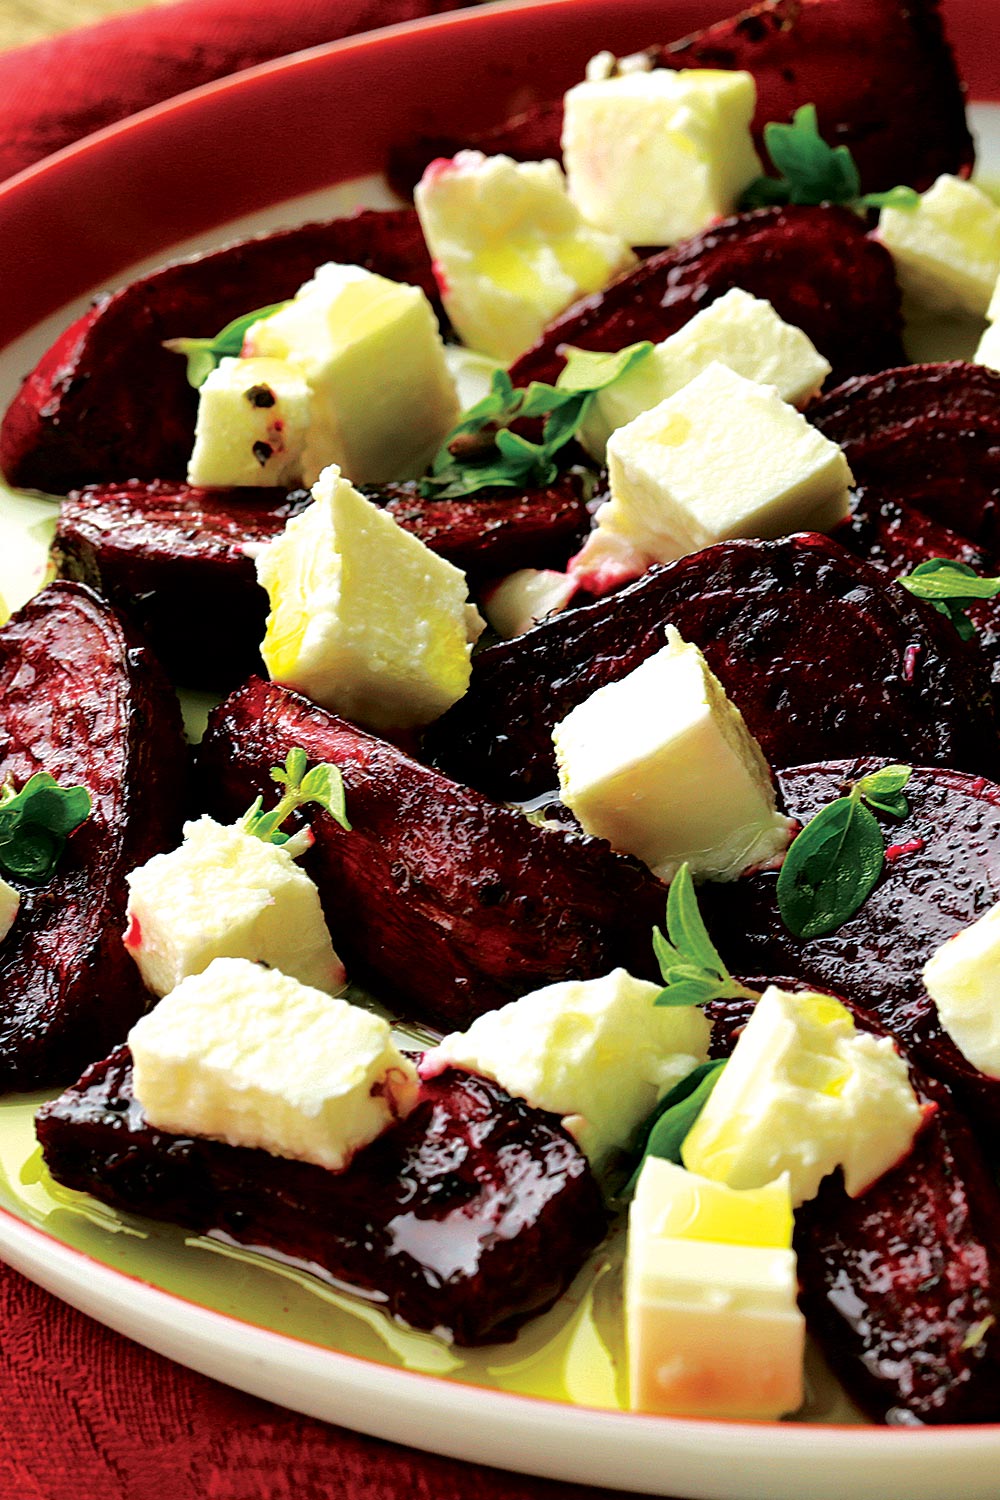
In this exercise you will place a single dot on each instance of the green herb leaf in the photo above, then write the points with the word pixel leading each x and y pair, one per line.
pixel 204 355
pixel 883 790
pixel 811 172
pixel 35 823
pixel 950 587
pixel 585 372
pixel 667 1128
pixel 321 785
pixel 897 197
pixel 692 969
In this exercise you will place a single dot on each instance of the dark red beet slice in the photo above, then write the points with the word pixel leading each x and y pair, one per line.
pixel 80 697
pixel 815 265
pixel 466 1218
pixel 880 73
pixel 814 647
pixel 438 900
pixel 108 402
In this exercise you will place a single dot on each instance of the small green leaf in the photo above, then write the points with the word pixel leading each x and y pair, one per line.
pixel 667 1128
pixel 693 972
pixel 950 587
pixel 35 823
pixel 585 371
pixel 883 790
pixel 897 197
pixel 830 869
pixel 204 355
pixel 321 785
pixel 324 786
pixel 685 927
pixel 812 172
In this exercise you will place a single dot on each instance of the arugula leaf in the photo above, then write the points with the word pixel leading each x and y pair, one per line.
pixel 692 969
pixel 36 822
pixel 204 355
pixel 667 1128
pixel 322 784
pixel 811 172
pixel 951 587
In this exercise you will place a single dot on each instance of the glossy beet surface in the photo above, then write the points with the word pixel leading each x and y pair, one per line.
pixel 108 402
pixel 466 1218
pixel 80 697
pixel 817 267
pixel 438 900
pixel 823 657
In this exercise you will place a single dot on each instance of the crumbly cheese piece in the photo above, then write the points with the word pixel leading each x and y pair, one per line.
pixel 365 620
pixel 656 156
pixel 253 419
pixel 598 1052
pixel 805 1092
pixel 523 598
pixel 988 349
pixel 10 903
pixel 662 765
pixel 226 894
pixel 510 249
pixel 370 350
pixel 947 249
pixel 740 331
pixel 962 977
pixel 712 1323
pixel 249 1056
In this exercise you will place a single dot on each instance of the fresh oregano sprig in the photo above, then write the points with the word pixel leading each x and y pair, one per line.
pixel 205 355
pixel 951 587
pixel 668 1127
pixel 692 969
pixel 812 172
pixel 36 822
pixel 321 784
pixel 834 863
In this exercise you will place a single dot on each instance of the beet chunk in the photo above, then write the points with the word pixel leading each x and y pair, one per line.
pixel 466 1218
pixel 438 900
pixel 80 697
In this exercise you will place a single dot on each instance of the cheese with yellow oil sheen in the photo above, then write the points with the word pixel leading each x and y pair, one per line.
pixel 712 1323
pixel 365 620
pixel 381 397
pixel 252 425
pixel 225 893
pixel 249 1056
pixel 10 903
pixel 656 156
pixel 947 249
pixel 805 1092
pixel 662 765
pixel 962 977
pixel 740 331
pixel 510 248
pixel 598 1052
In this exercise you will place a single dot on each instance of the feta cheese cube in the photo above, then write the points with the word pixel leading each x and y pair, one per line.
pixel 805 1092
pixel 962 977
pixel 248 1056
pixel 662 765
pixel 523 598
pixel 655 157
pixel 510 249
pixel 947 249
pixel 738 330
pixel 253 419
pixel 226 894
pixel 370 350
pixel 712 1323
pixel 365 619
pixel 10 903
pixel 988 349
pixel 598 1052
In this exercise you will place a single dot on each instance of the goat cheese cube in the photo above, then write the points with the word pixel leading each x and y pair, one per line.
pixel 655 157
pixel 803 1093
pixel 226 894
pixel 249 1056
pixel 947 248
pixel 662 765
pixel 740 331
pixel 962 977
pixel 10 903
pixel 712 1324
pixel 381 395
pixel 365 620
pixel 524 597
pixel 510 249
pixel 253 419
pixel 598 1052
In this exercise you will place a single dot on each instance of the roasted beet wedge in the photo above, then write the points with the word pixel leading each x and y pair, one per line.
pixel 942 871
pixel 816 265
pixel 80 697
pixel 108 402
pixel 439 900
pixel 879 72
pixel 471 1215
pixel 816 648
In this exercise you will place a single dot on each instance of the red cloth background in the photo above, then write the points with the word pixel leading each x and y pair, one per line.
pixel 84 1413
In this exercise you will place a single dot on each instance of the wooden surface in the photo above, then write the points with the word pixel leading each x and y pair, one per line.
pixel 29 20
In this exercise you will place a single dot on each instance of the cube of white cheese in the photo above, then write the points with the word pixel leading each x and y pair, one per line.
pixel 253 420
pixel 248 1056
pixel 10 903
pixel 655 157
pixel 962 977
pixel 740 331
pixel 365 619
pixel 803 1093
pixel 947 248
pixel 662 765
pixel 226 894
pixel 524 597
pixel 712 1323
pixel 598 1052
pixel 381 395
pixel 988 349
pixel 510 249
